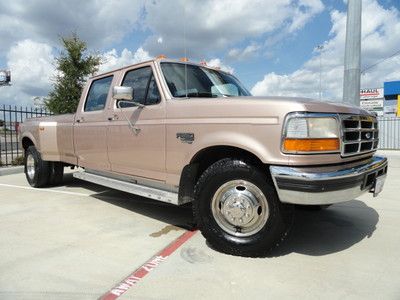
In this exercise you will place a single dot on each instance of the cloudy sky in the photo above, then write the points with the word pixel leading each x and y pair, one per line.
pixel 270 45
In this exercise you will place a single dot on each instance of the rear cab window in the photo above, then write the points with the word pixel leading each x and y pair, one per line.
pixel 97 96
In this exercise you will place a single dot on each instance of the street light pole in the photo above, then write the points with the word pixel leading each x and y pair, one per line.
pixel 352 55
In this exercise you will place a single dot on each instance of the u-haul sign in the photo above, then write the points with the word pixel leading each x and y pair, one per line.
pixel 376 93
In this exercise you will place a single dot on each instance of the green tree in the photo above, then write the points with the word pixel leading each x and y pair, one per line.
pixel 74 65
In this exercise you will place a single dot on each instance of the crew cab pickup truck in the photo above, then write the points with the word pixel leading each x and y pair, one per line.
pixel 180 132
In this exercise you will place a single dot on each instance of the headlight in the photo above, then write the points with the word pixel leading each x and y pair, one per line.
pixel 311 134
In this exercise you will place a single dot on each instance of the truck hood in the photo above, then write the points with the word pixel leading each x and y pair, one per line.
pixel 305 104
pixel 253 107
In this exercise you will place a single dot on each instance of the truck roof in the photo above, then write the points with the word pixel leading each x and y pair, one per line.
pixel 157 60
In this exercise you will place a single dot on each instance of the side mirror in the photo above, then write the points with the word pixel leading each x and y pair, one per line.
pixel 123 93
pixel 124 97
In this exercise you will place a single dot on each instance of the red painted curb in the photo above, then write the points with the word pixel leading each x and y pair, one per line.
pixel 123 286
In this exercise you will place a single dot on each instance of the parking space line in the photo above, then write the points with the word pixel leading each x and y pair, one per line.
pixel 45 190
pixel 123 286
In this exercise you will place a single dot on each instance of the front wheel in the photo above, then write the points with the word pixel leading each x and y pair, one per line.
pixel 237 209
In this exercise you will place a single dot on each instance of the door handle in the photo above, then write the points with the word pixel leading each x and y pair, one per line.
pixel 113 118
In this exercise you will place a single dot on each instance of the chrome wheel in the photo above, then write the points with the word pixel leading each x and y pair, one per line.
pixel 30 166
pixel 240 208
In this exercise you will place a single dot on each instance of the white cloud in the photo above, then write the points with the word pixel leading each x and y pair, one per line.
pixel 99 22
pixel 111 59
pixel 214 25
pixel 32 69
pixel 303 11
pixel 241 54
pixel 31 66
pixel 30 32
pixel 380 39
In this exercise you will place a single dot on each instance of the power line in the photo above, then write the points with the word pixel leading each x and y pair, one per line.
pixel 379 62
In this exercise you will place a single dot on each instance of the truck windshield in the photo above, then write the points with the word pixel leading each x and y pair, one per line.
pixel 201 81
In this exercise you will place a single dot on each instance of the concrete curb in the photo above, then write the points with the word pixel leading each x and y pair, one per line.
pixel 11 170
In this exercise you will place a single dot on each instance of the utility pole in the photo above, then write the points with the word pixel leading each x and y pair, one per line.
pixel 320 47
pixel 352 54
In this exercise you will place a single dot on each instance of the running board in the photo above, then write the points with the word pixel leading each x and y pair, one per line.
pixel 132 188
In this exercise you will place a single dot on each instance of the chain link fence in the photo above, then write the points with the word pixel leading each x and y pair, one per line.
pixel 389 133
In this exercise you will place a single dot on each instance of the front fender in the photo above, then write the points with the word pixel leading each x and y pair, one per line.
pixel 233 139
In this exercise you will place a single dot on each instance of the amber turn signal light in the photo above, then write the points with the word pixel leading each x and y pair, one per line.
pixel 311 145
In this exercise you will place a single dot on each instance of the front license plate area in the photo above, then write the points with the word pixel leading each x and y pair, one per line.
pixel 378 185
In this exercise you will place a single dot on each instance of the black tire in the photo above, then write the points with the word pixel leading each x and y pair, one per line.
pixel 56 173
pixel 38 176
pixel 267 237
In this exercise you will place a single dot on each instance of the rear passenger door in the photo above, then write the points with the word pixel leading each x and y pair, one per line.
pixel 90 127
pixel 139 151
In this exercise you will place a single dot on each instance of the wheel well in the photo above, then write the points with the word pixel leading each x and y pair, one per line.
pixel 26 142
pixel 205 158
pixel 208 156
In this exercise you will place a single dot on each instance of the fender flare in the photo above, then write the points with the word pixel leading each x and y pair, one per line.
pixel 30 137
pixel 229 139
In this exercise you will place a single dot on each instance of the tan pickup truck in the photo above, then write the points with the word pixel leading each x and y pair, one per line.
pixel 180 132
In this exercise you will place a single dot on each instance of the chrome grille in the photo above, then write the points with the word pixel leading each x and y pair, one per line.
pixel 359 134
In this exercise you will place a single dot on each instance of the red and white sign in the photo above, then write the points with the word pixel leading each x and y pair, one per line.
pixel 376 93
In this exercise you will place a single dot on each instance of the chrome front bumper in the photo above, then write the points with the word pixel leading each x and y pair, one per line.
pixel 328 184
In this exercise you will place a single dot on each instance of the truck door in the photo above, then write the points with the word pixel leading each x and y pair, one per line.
pixel 90 127
pixel 138 150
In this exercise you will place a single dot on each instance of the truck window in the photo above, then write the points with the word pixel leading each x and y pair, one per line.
pixel 145 90
pixel 98 92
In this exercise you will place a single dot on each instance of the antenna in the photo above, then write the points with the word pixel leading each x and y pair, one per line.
pixel 184 47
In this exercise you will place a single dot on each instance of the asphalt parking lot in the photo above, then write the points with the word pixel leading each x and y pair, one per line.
pixel 80 240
